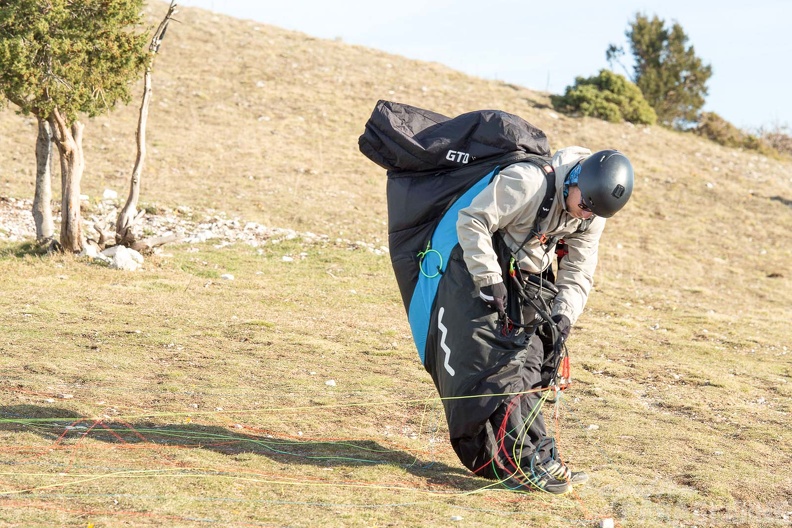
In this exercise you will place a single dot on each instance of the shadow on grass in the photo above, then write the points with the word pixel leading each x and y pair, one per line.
pixel 62 427
pixel 785 201
pixel 22 249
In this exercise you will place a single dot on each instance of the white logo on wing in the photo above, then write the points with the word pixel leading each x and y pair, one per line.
pixel 443 345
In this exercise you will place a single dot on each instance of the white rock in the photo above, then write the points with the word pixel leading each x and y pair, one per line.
pixel 227 276
pixel 330 383
pixel 136 256
pixel 593 427
pixel 456 518
pixel 90 251
pixel 287 259
pixel 202 236
pixel 125 259
pixel 111 251
pixel 606 523
pixel 109 194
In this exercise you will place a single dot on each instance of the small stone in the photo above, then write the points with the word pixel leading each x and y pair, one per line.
pixel 330 383
pixel 227 276
pixel 287 259
pixel 456 518
pixel 606 523
pixel 593 427
pixel 65 396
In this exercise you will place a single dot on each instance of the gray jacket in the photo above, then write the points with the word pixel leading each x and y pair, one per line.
pixel 509 204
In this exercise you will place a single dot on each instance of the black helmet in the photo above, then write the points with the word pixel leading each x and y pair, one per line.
pixel 606 182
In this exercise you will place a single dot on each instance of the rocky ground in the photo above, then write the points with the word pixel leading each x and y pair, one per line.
pixel 186 225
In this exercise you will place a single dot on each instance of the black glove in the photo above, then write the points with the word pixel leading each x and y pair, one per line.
pixel 495 297
pixel 563 325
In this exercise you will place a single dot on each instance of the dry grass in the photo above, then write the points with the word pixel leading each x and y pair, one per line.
pixel 682 358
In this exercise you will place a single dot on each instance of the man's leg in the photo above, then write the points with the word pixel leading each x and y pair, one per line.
pixel 506 447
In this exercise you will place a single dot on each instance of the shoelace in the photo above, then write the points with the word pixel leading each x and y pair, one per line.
pixel 557 470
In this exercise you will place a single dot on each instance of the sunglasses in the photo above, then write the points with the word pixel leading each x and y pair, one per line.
pixel 583 206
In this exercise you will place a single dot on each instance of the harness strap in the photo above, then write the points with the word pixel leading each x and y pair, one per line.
pixel 546 205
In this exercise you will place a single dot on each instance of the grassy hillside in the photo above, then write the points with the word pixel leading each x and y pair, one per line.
pixel 174 397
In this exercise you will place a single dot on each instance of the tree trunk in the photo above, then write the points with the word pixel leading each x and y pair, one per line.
pixel 129 214
pixel 69 142
pixel 42 206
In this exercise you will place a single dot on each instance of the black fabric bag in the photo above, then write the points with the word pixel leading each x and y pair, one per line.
pixel 400 137
pixel 427 174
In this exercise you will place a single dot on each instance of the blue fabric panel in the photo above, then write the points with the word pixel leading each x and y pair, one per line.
pixel 444 240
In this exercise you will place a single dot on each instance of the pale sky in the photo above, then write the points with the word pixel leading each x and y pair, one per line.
pixel 545 45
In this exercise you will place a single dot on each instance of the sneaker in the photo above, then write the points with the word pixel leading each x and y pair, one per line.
pixel 543 482
pixel 559 471
pixel 552 485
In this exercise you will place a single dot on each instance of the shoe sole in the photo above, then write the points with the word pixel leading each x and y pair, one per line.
pixel 579 478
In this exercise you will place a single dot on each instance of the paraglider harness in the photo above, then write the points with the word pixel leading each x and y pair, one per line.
pixel 436 165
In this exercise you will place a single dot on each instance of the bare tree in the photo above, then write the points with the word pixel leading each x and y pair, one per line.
pixel 129 215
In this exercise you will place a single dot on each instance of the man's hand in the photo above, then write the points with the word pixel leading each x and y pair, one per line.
pixel 563 325
pixel 495 297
